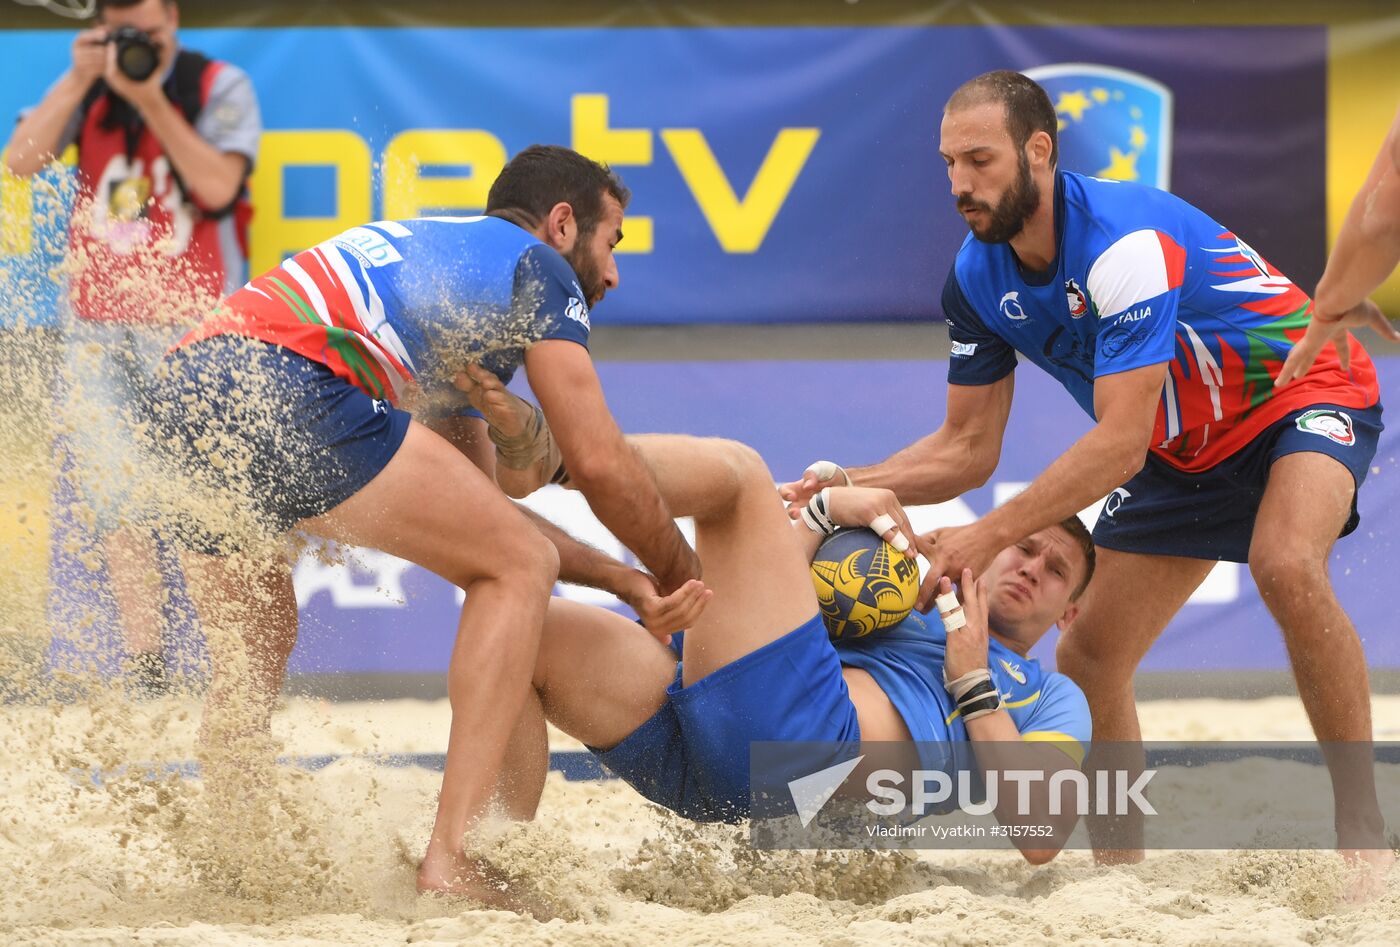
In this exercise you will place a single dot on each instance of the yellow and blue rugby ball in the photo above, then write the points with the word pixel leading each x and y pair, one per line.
pixel 863 583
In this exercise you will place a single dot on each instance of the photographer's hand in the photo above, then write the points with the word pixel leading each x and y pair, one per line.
pixel 89 56
pixel 147 95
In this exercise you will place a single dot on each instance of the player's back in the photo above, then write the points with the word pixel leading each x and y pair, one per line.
pixel 389 303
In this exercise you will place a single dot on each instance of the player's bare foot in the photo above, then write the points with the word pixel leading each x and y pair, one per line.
pixel 1370 871
pixel 453 874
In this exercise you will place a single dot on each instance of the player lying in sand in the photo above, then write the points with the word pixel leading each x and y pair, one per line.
pixel 676 721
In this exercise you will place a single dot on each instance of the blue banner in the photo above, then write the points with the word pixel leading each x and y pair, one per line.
pixel 365 611
pixel 779 174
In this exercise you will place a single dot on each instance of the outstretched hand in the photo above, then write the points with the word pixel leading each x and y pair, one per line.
pixel 1319 333
pixel 663 615
pixel 953 551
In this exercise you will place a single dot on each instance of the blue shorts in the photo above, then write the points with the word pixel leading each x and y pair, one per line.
pixel 692 755
pixel 282 436
pixel 1210 515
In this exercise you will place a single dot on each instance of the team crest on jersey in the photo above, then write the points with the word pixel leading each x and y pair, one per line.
pixel 1114 124
pixel 1011 307
pixel 1334 425
pixel 1078 302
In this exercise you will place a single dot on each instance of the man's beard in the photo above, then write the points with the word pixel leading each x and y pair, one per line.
pixel 587 269
pixel 1009 217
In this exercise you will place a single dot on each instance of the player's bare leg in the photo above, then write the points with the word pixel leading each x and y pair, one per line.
pixel 433 506
pixel 526 765
pixel 248 609
pixel 599 676
pixel 1123 611
pixel 134 573
pixel 1306 502
pixel 753 561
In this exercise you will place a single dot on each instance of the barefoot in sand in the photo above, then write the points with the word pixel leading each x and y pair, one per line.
pixel 1370 870
pixel 456 875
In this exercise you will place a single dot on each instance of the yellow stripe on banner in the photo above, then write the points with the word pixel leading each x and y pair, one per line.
pixel 1063 742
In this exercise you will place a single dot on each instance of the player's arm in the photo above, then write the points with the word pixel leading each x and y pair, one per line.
pixel 525 455
pixel 961 455
pixel 39 136
pixel 1368 244
pixel 997 743
pixel 580 563
pixel 1367 251
pixel 618 485
pixel 963 452
pixel 1104 458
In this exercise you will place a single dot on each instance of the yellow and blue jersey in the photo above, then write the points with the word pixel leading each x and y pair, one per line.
pixel 907 662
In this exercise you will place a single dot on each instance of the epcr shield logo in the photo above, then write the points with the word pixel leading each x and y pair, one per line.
pixel 1114 124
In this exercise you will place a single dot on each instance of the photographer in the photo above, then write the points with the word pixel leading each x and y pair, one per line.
pixel 165 141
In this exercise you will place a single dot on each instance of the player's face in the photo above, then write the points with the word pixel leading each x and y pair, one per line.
pixel 592 253
pixel 991 178
pixel 156 18
pixel 1030 583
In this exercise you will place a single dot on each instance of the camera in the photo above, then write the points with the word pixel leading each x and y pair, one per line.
pixel 137 55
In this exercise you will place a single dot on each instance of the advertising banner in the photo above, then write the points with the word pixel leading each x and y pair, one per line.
pixel 778 174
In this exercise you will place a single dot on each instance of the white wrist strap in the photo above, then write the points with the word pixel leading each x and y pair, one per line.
pixel 815 514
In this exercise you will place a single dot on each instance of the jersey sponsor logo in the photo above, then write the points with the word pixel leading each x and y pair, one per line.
pixel 1011 306
pixel 1014 670
pixel 1134 315
pixel 1115 502
pixel 370 247
pixel 1074 296
pixel 1115 125
pixel 1120 339
pixel 964 349
pixel 577 311
pixel 1334 425
pixel 381 406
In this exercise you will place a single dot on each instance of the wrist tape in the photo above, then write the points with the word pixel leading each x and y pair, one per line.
pixel 534 444
pixel 975 694
pixel 815 514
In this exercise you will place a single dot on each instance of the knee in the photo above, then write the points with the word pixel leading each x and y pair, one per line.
pixel 745 468
pixel 1281 570
pixel 524 559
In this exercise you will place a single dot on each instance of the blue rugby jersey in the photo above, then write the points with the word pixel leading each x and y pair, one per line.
pixel 1141 277
pixel 392 303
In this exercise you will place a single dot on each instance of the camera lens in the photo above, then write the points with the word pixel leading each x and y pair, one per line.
pixel 137 57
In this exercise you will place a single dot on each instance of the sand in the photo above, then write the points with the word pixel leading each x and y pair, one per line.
pixel 137 860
